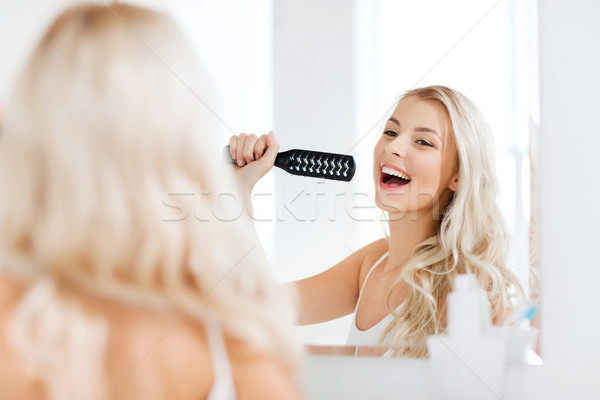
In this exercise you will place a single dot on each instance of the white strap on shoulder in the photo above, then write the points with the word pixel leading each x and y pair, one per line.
pixel 223 388
pixel 367 277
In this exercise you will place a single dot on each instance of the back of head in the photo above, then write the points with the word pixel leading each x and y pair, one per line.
pixel 99 131
pixel 111 179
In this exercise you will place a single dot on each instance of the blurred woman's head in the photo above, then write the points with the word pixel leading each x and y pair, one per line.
pixel 104 124
pixel 112 184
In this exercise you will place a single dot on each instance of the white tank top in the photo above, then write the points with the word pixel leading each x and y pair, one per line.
pixel 371 336
pixel 223 388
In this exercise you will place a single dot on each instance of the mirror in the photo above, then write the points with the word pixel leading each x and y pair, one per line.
pixel 337 70
pixel 324 76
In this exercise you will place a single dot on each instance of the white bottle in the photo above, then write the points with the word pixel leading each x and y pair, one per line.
pixel 469 362
pixel 468 309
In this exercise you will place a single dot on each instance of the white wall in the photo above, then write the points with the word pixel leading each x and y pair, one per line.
pixel 313 107
pixel 21 26
pixel 232 38
pixel 569 190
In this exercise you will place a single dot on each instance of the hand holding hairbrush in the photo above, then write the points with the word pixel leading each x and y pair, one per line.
pixel 316 164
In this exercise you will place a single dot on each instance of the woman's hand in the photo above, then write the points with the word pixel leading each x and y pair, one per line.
pixel 255 157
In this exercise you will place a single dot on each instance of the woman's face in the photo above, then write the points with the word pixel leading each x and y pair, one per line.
pixel 415 160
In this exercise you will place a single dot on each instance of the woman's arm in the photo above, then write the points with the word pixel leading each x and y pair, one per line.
pixel 334 293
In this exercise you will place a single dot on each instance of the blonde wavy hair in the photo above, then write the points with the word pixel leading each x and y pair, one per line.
pixel 112 188
pixel 472 237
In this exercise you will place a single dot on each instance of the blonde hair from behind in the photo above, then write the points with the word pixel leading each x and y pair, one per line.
pixel 472 237
pixel 113 187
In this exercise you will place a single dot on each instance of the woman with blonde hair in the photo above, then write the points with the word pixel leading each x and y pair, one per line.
pixel 435 178
pixel 121 273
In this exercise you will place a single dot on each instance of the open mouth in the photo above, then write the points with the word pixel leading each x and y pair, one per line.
pixel 392 178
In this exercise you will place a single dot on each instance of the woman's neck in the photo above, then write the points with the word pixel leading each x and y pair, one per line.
pixel 405 234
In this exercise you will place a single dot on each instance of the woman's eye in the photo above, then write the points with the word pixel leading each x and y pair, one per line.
pixel 390 133
pixel 424 143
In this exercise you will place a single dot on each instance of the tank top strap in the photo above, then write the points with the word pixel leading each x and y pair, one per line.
pixel 367 277
pixel 223 388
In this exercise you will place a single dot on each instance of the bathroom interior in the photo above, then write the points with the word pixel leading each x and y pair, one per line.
pixel 323 76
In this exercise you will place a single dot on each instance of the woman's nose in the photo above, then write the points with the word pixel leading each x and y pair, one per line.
pixel 397 147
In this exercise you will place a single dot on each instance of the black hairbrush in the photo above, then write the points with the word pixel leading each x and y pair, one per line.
pixel 337 167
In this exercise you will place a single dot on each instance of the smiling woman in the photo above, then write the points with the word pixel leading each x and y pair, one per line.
pixel 457 172
pixel 422 153
pixel 434 174
pixel 336 86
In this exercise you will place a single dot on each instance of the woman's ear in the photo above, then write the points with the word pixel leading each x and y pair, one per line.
pixel 453 183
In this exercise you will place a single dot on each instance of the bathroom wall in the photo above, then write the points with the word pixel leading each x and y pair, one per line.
pixel 21 25
pixel 569 193
pixel 314 95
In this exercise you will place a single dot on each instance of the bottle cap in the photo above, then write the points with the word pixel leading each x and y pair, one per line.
pixel 465 282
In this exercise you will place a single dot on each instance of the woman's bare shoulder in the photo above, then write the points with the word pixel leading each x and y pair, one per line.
pixel 159 355
pixel 153 355
pixel 11 290
pixel 371 253
pixel 171 347
pixel 376 249
pixel 16 382
pixel 258 375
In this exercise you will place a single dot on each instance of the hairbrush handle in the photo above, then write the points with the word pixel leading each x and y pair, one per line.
pixel 316 164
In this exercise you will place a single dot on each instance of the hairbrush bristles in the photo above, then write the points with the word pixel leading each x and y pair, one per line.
pixel 316 164
pixel 337 167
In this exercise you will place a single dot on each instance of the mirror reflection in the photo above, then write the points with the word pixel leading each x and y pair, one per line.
pixel 336 87
pixel 430 198
pixel 327 77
